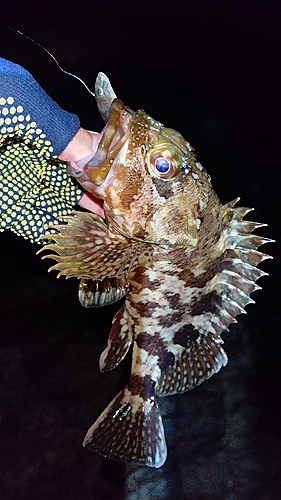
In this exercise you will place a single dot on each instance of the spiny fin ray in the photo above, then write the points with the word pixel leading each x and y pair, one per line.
pixel 198 353
pixel 84 248
pixel 237 273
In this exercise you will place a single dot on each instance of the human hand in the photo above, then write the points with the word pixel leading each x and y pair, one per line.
pixel 78 152
pixel 83 144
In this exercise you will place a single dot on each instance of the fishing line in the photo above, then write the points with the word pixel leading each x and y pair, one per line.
pixel 49 53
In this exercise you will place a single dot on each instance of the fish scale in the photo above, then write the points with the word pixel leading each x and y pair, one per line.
pixel 185 264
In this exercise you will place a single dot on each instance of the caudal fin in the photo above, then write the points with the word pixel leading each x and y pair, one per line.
pixel 130 429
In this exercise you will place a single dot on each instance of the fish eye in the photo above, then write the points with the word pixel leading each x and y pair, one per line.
pixel 162 165
pixel 164 161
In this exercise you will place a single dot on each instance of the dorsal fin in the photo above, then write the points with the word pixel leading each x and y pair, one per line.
pixel 193 350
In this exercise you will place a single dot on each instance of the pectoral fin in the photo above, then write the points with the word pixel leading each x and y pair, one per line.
pixel 86 248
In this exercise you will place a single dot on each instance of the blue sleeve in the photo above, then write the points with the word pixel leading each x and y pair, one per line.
pixel 26 107
pixel 35 189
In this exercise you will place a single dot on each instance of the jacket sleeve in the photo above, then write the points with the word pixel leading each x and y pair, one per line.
pixel 35 189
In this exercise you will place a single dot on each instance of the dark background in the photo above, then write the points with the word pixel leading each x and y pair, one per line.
pixel 210 69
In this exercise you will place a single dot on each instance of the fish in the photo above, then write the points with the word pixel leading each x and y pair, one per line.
pixel 184 264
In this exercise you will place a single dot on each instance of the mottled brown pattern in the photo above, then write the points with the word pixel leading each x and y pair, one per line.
pixel 150 343
pixel 183 296
pixel 173 299
pixel 166 359
pixel 168 320
pixel 185 336
pixel 142 386
pixel 207 303
pixel 163 189
pixel 145 310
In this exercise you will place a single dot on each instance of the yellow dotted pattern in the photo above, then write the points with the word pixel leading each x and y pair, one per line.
pixel 35 189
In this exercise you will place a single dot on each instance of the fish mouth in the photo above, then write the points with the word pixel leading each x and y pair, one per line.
pixel 114 136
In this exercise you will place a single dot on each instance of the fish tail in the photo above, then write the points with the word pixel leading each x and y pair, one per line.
pixel 130 429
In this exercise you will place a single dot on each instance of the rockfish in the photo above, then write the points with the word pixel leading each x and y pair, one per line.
pixel 185 264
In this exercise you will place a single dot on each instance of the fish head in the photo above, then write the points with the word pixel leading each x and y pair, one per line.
pixel 147 175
